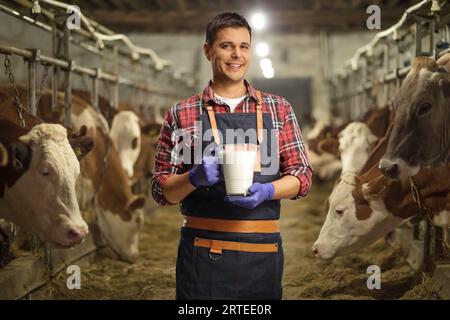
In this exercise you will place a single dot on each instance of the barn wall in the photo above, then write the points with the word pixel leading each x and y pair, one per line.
pixel 292 55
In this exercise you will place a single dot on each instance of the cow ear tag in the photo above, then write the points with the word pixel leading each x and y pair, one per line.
pixel 78 152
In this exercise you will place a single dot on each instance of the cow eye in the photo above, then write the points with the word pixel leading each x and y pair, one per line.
pixel 339 212
pixel 424 108
pixel 45 171
pixel 134 143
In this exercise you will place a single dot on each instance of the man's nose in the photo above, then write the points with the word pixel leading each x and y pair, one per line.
pixel 236 53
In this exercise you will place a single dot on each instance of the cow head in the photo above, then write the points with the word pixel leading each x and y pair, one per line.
pixel 352 222
pixel 81 143
pixel 126 136
pixel 121 230
pixel 43 200
pixel 421 131
pixel 355 143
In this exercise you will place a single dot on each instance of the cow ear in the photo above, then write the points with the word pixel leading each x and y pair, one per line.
pixel 81 146
pixel 83 131
pixel 445 87
pixel 19 154
pixel 135 203
pixel 134 143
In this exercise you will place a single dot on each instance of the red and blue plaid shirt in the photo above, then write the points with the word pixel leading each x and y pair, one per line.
pixel 183 115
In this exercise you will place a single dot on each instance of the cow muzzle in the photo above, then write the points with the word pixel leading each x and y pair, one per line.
pixel 389 168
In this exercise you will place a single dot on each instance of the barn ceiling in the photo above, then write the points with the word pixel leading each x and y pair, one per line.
pixel 191 16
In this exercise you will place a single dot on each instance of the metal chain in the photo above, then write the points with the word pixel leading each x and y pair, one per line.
pixel 43 80
pixel 415 193
pixel 19 108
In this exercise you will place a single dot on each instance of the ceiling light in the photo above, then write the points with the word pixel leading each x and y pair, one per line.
pixel 258 21
pixel 262 49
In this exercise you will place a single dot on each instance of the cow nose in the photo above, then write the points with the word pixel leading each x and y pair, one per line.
pixel 76 235
pixel 389 169
pixel 315 251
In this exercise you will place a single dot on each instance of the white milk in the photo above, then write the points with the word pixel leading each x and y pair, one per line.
pixel 237 167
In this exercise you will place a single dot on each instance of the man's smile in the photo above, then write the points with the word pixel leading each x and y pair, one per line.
pixel 234 66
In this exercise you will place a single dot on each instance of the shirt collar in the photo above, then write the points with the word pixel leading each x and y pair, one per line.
pixel 208 94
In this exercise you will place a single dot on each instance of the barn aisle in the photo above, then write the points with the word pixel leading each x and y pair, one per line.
pixel 153 275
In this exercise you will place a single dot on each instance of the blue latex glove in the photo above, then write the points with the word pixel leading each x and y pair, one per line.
pixel 260 192
pixel 205 174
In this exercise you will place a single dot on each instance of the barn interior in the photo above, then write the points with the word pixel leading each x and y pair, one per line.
pixel 334 61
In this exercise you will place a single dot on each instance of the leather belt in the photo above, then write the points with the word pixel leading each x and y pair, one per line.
pixel 224 225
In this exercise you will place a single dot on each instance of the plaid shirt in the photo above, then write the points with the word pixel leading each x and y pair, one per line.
pixel 183 115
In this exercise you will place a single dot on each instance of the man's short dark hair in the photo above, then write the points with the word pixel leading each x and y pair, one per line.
pixel 223 20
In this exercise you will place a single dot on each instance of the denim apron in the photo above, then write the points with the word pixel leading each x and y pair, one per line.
pixel 229 265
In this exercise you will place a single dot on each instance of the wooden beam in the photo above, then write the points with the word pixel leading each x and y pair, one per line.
pixel 281 21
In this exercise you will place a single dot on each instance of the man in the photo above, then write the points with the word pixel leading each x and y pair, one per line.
pixel 230 246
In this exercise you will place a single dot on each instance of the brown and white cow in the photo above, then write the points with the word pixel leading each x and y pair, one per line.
pixel 356 142
pixel 37 186
pixel 143 167
pixel 104 185
pixel 377 120
pixel 126 136
pixel 365 207
pixel 421 132
pixel 124 130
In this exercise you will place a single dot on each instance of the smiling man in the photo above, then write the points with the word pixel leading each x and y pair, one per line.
pixel 230 246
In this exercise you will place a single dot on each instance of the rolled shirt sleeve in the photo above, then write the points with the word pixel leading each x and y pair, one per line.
pixel 167 161
pixel 293 158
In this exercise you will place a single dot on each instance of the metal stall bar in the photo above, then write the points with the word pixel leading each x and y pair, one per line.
pixel 31 62
pixel 353 62
pixel 87 71
pixel 83 33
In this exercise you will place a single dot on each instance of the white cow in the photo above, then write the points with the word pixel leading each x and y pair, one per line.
pixel 43 199
pixel 355 143
pixel 344 230
pixel 126 136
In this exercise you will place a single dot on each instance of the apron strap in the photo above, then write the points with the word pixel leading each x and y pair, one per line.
pixel 212 121
pixel 259 120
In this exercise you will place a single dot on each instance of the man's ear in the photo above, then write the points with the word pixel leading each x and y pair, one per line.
pixel 444 84
pixel 206 49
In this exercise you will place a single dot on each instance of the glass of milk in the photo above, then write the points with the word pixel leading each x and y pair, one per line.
pixel 238 162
